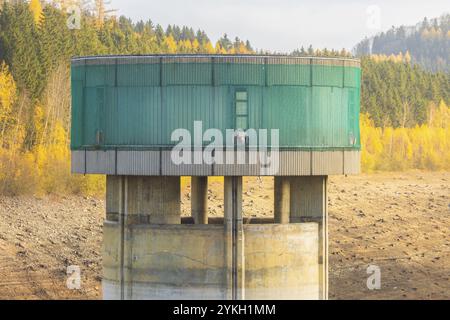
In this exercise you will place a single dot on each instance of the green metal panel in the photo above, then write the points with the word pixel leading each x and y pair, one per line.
pixel 187 73
pixel 286 108
pixel 100 75
pixel 239 74
pixel 279 74
pixel 353 116
pixel 326 75
pixel 136 75
pixel 137 118
pixel 139 104
pixel 223 114
pixel 78 73
pixel 76 138
pixel 352 77
pixel 90 125
pixel 183 105
pixel 329 112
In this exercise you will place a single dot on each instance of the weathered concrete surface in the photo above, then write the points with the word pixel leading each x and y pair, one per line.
pixel 148 254
pixel 282 190
pixel 142 199
pixel 167 262
pixel 199 199
pixel 281 261
pixel 189 262
pixel 309 203
pixel 234 238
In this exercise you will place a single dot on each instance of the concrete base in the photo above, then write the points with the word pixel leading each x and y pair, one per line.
pixel 149 254
pixel 189 262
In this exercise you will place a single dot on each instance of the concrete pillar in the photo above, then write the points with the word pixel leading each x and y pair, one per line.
pixel 163 196
pixel 199 199
pixel 309 203
pixel 234 238
pixel 134 200
pixel 282 189
pixel 143 199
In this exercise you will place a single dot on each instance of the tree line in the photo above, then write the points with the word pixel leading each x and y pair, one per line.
pixel 428 43
pixel 35 50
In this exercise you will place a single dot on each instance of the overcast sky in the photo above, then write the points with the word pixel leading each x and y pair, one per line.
pixel 283 25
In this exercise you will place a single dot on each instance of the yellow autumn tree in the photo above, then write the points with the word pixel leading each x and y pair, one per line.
pixel 195 46
pixel 219 49
pixel 208 47
pixel 170 44
pixel 424 147
pixel 36 9
pixel 439 117
pixel 371 145
pixel 7 99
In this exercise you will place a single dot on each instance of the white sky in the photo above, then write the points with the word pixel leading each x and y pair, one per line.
pixel 283 25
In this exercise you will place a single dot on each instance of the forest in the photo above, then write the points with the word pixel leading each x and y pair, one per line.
pixel 428 43
pixel 405 119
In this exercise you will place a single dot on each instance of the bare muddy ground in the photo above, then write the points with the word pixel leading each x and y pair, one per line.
pixel 399 222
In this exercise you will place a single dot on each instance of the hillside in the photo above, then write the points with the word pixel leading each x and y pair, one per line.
pixel 428 43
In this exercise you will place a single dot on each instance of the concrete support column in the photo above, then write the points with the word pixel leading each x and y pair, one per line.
pixel 309 203
pixel 234 238
pixel 282 190
pixel 132 200
pixel 199 199
pixel 163 196
pixel 154 200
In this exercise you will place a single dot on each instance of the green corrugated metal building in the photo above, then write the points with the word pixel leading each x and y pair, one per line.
pixel 135 102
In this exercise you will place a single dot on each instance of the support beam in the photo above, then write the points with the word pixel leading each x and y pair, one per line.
pixel 234 238
pixel 309 203
pixel 199 199
pixel 282 189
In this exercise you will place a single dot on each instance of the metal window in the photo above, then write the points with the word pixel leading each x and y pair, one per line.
pixel 241 109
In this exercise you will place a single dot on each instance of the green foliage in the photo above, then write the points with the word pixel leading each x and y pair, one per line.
pixel 428 43
pixel 20 48
pixel 397 94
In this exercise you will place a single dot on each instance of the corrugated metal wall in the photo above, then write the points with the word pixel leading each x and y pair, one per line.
pixel 139 101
